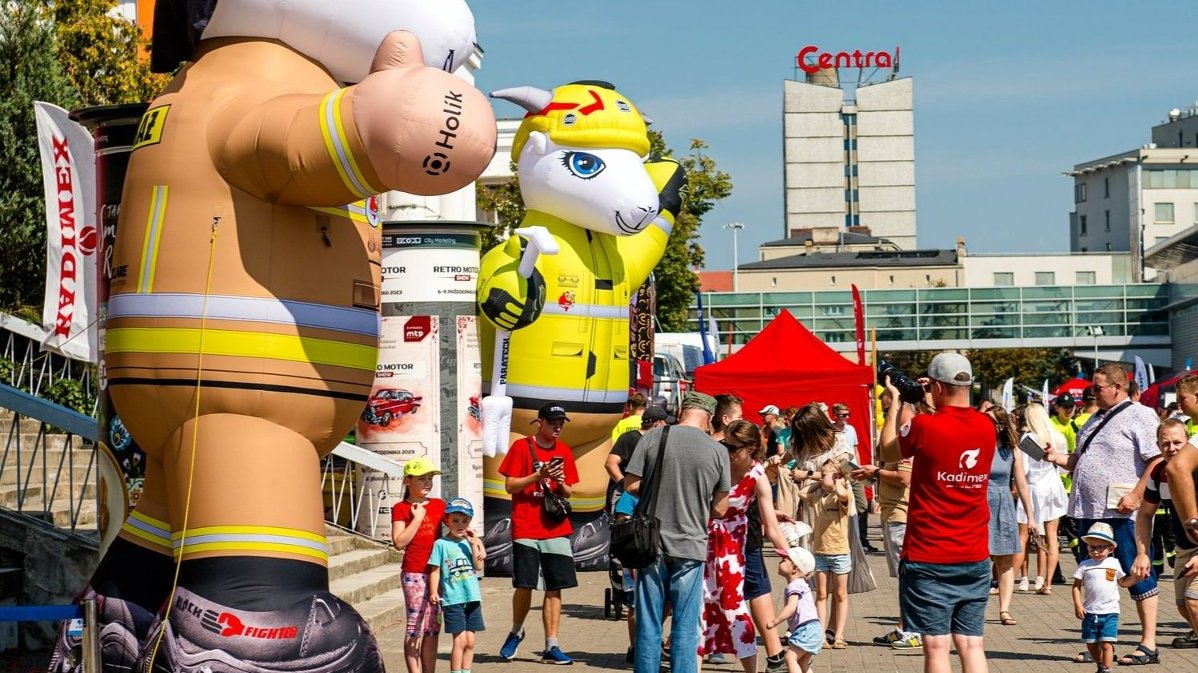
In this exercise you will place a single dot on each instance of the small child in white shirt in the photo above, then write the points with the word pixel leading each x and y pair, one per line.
pixel 1100 576
pixel 806 634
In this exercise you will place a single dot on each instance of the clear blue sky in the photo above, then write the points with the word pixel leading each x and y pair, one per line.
pixel 1007 95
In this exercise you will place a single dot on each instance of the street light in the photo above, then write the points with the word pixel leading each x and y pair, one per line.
pixel 1095 331
pixel 735 227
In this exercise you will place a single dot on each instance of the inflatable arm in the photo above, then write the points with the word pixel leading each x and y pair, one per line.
pixel 508 299
pixel 643 251
pixel 405 126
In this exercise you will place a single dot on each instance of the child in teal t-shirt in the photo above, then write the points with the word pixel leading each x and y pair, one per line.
pixel 454 565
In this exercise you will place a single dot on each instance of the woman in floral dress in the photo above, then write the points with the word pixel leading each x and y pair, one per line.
pixel 726 622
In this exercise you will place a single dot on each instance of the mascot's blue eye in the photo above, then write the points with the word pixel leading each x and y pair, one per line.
pixel 583 165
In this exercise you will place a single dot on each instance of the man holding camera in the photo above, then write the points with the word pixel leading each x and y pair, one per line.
pixel 540 542
pixel 944 576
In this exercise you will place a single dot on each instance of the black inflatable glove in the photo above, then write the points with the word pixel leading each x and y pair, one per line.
pixel 670 179
pixel 507 299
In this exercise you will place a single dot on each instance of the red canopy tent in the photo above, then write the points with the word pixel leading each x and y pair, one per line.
pixel 1151 396
pixel 787 365
pixel 1075 387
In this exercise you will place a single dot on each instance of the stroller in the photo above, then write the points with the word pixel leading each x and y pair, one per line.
pixel 615 596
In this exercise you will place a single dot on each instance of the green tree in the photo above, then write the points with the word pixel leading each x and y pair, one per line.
pixel 675 277
pixel 1029 366
pixel 29 71
pixel 104 55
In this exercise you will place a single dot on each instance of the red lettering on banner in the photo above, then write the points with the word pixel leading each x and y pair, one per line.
pixel 68 271
pixel 843 59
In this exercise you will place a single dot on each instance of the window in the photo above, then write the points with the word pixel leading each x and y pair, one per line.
pixel 1079 192
pixel 1164 213
pixel 892 280
pixel 1081 225
pixel 1108 247
pixel 833 280
pixel 1004 279
pixel 1046 278
pixel 1106 188
pixel 1086 277
pixel 1108 220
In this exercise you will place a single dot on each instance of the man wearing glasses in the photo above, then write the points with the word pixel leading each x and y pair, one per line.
pixel 1116 452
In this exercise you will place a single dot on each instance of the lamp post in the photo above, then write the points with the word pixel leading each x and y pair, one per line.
pixel 735 227
pixel 1095 331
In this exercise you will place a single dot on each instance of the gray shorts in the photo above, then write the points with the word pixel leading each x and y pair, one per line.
pixel 893 535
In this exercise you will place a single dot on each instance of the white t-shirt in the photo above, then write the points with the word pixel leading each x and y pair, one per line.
pixel 1101 585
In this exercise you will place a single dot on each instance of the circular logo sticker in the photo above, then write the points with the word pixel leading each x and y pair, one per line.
pixel 372 211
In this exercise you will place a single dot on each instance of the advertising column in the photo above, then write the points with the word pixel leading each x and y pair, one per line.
pixel 428 381
pixel 122 462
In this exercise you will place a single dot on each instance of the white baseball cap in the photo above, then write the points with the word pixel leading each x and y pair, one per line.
pixel 951 368
pixel 802 559
pixel 770 409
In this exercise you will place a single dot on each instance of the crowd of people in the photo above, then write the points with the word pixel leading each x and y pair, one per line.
pixel 965 494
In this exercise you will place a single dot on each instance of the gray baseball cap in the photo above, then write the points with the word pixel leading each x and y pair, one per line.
pixel 951 368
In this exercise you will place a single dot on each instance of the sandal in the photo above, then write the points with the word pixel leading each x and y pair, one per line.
pixel 1046 591
pixel 1141 657
pixel 839 644
pixel 1083 658
pixel 1008 620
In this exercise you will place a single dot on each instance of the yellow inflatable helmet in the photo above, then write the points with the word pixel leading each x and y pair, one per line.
pixel 587 113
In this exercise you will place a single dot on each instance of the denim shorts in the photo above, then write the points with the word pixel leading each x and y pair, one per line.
pixel 937 599
pixel 757 580
pixel 463 617
pixel 837 564
pixel 808 637
pixel 1100 628
pixel 1125 552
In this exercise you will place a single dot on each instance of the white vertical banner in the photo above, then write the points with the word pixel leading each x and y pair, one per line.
pixel 1044 398
pixel 1141 374
pixel 69 178
pixel 1008 394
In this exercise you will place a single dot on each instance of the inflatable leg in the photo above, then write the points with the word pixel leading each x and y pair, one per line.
pixel 130 584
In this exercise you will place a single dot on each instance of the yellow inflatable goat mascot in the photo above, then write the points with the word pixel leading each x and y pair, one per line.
pixel 243 324
pixel 581 157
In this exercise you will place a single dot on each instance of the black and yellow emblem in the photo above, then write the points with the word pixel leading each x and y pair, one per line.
pixel 149 131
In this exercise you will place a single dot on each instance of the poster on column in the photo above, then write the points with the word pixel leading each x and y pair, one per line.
pixel 470 443
pixel 402 417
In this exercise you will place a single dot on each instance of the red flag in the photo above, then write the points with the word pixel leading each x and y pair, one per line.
pixel 859 322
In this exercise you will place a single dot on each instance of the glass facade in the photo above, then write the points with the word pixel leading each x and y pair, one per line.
pixel 950 314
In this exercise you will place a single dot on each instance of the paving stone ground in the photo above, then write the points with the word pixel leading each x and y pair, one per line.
pixel 1045 639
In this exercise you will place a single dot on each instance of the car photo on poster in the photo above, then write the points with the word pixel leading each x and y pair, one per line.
pixel 388 404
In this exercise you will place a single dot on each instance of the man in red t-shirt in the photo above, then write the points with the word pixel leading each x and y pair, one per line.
pixel 541 546
pixel 945 572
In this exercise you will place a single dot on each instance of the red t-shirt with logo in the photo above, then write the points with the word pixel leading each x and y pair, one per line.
pixel 415 555
pixel 948 515
pixel 529 521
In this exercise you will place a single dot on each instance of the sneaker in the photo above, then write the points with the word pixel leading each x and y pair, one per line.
pixel 1186 642
pixel 776 665
pixel 554 655
pixel 890 637
pixel 1022 586
pixel 908 642
pixel 716 659
pixel 510 646
pixel 1039 583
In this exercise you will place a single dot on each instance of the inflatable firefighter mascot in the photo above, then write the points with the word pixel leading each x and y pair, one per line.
pixel 581 157
pixel 243 322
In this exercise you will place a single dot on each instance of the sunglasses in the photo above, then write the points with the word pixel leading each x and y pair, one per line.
pixel 842 415
pixel 732 447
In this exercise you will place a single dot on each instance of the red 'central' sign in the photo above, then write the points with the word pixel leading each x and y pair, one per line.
pixel 844 59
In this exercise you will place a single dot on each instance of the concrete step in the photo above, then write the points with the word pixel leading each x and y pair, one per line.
pixel 34 493
pixel 77 474
pixel 384 609
pixel 356 561
pixel 360 587
pixel 60 513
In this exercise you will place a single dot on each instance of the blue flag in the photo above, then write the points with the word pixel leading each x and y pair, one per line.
pixel 708 356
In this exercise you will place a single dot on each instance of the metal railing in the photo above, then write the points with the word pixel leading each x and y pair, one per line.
pixel 48 468
pixel 33 369
pixel 349 503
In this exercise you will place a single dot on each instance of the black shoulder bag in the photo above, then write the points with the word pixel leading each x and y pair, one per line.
pixel 555 506
pixel 1098 428
pixel 635 541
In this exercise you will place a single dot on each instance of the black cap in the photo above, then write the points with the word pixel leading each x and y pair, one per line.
pixel 1064 400
pixel 552 411
pixel 1090 394
pixel 655 414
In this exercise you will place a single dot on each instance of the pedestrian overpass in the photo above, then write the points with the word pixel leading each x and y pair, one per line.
pixel 1109 322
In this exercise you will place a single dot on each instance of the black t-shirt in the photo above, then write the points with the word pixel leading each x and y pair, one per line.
pixel 1157 492
pixel 624 446
pixel 755 537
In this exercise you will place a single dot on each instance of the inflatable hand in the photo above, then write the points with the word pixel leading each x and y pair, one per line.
pixel 423 128
pixel 670 179
pixel 508 299
pixel 497 423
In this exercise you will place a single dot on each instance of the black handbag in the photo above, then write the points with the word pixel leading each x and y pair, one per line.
pixel 636 541
pixel 555 506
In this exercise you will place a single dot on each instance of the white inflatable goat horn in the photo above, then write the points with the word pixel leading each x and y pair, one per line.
pixel 528 97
